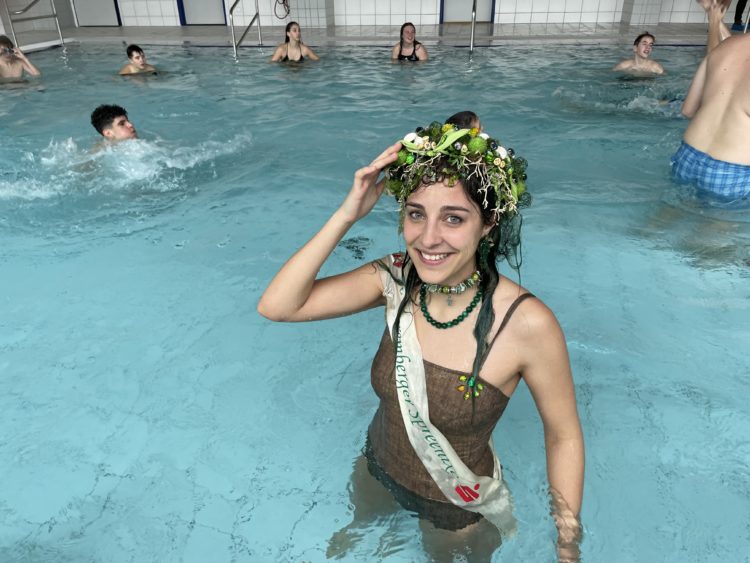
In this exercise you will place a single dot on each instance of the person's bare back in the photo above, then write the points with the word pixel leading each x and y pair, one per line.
pixel 718 102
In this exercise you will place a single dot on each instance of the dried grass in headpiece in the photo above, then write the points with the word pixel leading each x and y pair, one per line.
pixel 446 153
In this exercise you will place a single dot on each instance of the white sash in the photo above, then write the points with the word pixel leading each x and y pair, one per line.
pixel 488 496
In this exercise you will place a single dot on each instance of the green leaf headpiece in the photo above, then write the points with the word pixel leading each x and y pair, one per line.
pixel 446 153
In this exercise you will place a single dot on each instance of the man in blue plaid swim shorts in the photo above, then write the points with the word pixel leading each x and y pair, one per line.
pixel 715 151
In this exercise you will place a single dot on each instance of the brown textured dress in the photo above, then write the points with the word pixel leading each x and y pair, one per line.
pixel 466 424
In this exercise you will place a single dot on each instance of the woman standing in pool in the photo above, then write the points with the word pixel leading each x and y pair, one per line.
pixel 293 49
pixel 408 48
pixel 459 337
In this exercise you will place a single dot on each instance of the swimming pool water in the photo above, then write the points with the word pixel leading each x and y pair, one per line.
pixel 148 412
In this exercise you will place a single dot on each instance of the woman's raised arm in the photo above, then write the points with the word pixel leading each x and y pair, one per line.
pixel 295 294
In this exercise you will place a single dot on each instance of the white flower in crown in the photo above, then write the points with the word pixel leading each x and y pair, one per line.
pixel 502 153
pixel 410 137
pixel 484 136
pixel 420 142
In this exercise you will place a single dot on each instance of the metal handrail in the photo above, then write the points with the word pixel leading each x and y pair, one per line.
pixel 236 43
pixel 31 18
pixel 473 24
pixel 747 19
pixel 26 9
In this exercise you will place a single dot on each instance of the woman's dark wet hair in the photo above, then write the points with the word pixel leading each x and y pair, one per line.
pixel 504 240
pixel 286 30
pixel 463 119
pixel 103 116
pixel 6 42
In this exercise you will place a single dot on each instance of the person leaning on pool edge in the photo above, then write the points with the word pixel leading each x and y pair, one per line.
pixel 641 63
pixel 460 337
pixel 293 49
pixel 408 48
pixel 13 62
pixel 112 123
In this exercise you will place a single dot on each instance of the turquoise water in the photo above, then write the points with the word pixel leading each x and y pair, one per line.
pixel 149 414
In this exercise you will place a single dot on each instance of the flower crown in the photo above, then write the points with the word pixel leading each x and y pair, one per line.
pixel 446 153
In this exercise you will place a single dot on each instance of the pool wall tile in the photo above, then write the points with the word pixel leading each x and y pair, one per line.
pixel 322 13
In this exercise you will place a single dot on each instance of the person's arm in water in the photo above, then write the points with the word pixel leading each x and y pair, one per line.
pixel 623 65
pixel 547 375
pixel 278 54
pixel 395 51
pixel 28 66
pixel 309 53
pixel 128 69
pixel 295 294
pixel 695 92
pixel 421 52
pixel 656 68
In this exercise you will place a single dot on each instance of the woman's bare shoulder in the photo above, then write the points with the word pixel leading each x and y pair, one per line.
pixel 531 317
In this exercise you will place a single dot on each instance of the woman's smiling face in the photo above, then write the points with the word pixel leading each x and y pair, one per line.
pixel 442 229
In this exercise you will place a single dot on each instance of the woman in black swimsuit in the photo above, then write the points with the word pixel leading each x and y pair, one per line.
pixel 408 48
pixel 293 49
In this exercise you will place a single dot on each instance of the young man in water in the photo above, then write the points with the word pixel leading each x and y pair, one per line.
pixel 13 63
pixel 715 151
pixel 136 61
pixel 641 63
pixel 112 123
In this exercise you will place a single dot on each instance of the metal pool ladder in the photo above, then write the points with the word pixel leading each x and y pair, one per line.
pixel 256 17
pixel 473 24
pixel 12 19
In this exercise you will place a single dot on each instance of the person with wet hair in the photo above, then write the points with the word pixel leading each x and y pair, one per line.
pixel 641 63
pixel 465 120
pixel 460 338
pixel 112 123
pixel 136 61
pixel 293 49
pixel 408 48
pixel 13 61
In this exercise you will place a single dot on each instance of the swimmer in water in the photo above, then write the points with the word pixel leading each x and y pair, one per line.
pixel 641 63
pixel 112 123
pixel 408 48
pixel 13 62
pixel 293 49
pixel 715 151
pixel 136 62
pixel 465 120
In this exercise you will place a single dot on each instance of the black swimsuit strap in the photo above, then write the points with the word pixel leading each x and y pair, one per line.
pixel 512 309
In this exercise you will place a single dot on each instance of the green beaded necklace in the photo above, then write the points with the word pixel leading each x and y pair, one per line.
pixel 454 322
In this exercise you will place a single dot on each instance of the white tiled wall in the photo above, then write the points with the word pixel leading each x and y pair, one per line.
pixel 558 11
pixel 312 13
pixel 308 13
pixel 386 12
pixel 147 13
pixel 635 12
pixel 687 12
